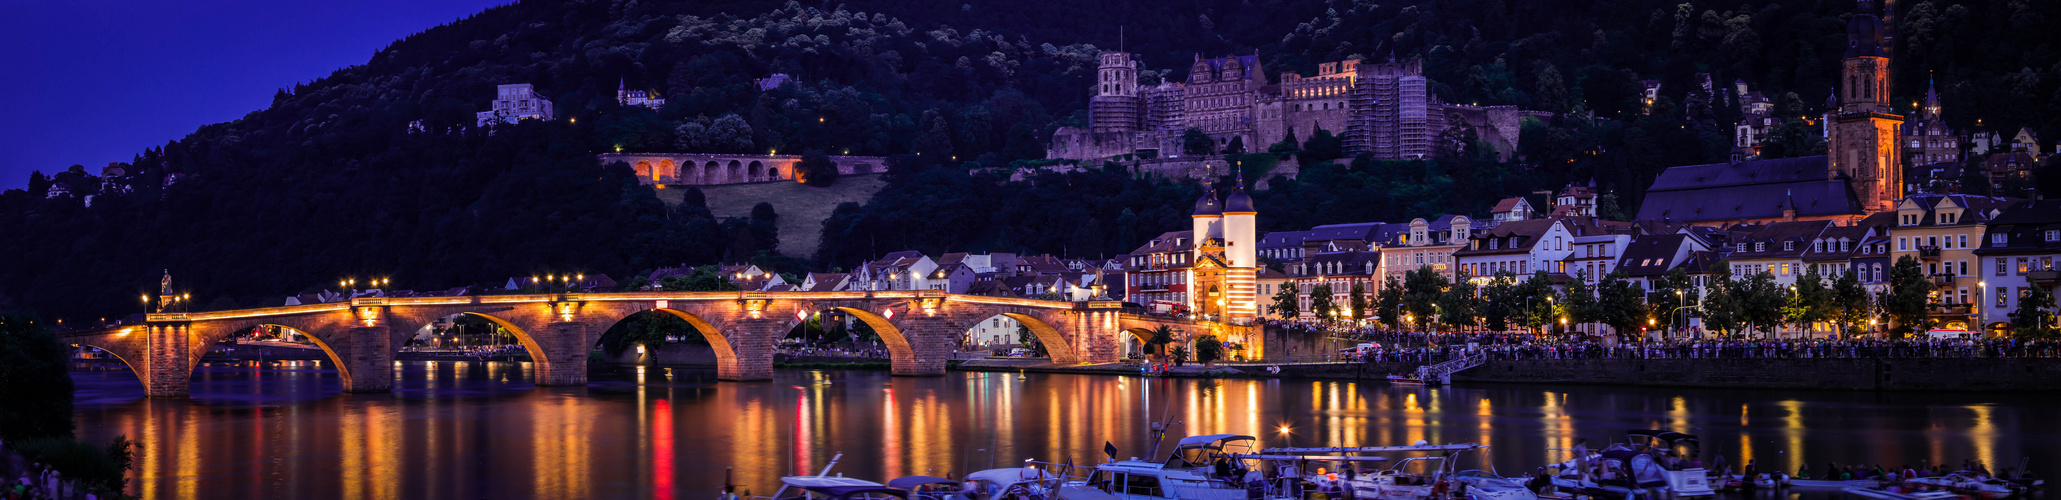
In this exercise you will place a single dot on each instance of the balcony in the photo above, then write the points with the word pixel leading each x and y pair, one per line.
pixel 1942 280
pixel 1947 309
pixel 2043 278
pixel 1928 252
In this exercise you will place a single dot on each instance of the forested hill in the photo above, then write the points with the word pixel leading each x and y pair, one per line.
pixel 329 181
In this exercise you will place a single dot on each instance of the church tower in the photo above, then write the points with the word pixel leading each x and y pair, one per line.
pixel 1862 138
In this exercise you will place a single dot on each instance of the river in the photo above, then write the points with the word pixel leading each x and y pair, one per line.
pixel 482 430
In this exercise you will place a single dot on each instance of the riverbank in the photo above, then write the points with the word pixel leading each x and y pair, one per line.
pixel 1889 374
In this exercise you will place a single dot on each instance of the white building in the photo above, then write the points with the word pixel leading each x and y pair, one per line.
pixel 516 102
pixel 627 97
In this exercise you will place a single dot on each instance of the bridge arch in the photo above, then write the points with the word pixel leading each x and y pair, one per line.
pixel 735 172
pixel 755 171
pixel 891 336
pixel 117 345
pixel 665 169
pixel 708 173
pixel 1057 348
pixel 1138 340
pixel 644 170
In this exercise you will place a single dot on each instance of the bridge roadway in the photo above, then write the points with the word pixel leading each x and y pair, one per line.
pixel 919 328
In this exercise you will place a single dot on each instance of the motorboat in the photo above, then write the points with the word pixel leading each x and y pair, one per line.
pixel 1427 473
pixel 1676 453
pixel 1200 468
pixel 828 487
pixel 1897 493
pixel 928 487
pixel 1485 485
pixel 835 488
pixel 1011 483
pixel 1967 482
pixel 1832 484
pixel 1410 379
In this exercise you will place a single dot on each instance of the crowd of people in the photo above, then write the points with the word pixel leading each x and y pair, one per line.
pixel 1428 347
pixel 30 480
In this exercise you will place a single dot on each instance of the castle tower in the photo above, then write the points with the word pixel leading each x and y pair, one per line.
pixel 1115 106
pixel 1862 137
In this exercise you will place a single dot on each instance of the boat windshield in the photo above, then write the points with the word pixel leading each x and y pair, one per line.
pixel 1203 451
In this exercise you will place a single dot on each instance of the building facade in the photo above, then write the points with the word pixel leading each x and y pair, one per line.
pixel 516 102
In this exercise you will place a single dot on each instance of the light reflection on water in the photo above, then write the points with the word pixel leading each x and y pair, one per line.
pixel 483 430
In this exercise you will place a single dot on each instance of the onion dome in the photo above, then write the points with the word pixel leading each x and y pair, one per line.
pixel 1238 201
pixel 1208 206
pixel 1864 32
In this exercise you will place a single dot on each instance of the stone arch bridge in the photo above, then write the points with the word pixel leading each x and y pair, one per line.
pixel 693 169
pixel 920 329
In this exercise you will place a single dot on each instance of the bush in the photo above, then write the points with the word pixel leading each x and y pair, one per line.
pixel 93 467
pixel 35 386
pixel 816 169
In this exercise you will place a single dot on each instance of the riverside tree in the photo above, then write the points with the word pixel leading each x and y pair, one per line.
pixel 1909 294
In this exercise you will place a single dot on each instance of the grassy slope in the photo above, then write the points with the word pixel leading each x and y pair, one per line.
pixel 802 208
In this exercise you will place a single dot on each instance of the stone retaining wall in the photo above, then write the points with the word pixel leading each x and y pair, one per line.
pixel 1915 374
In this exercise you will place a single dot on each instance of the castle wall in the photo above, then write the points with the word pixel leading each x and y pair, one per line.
pixel 695 169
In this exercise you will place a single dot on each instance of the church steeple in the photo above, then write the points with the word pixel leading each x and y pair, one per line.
pixel 1862 138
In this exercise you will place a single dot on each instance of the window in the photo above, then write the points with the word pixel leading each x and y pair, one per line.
pixel 1999 238
pixel 1760 246
pixel 2052 235
pixel 1963 241
pixel 1902 244
pixel 1785 269
pixel 1964 269
pixel 2003 267
pixel 2003 296
pixel 1964 297
pixel 1788 246
pixel 1932 241
pixel 2023 263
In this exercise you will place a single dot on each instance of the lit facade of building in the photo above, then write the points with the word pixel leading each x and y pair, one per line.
pixel 514 103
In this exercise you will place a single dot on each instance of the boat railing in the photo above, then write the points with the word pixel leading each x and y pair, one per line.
pixel 1443 372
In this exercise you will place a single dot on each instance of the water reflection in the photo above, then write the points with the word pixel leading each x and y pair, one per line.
pixel 482 430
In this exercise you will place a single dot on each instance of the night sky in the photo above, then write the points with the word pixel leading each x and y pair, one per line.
pixel 90 82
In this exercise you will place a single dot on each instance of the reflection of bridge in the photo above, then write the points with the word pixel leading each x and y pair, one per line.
pixel 919 328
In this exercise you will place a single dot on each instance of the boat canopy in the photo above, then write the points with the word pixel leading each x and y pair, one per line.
pixel 825 481
pixel 857 491
pixel 1212 441
pixel 1009 476
pixel 914 481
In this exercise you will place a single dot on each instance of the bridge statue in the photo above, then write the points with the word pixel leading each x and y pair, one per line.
pixel 920 328
pixel 164 289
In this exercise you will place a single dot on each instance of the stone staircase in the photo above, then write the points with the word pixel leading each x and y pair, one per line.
pixel 1443 372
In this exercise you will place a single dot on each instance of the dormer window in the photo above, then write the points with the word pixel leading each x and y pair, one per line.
pixel 1946 218
pixel 1742 247
pixel 1788 246
pixel 2052 235
pixel 1760 246
pixel 1818 246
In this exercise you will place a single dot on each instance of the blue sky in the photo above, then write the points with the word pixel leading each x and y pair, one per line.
pixel 90 82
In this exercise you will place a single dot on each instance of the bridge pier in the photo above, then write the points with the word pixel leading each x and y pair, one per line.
pixel 367 356
pixel 751 347
pixel 564 360
pixel 168 361
pixel 930 345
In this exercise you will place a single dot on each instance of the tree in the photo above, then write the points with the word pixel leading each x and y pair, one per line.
pixel 1792 138
pixel 816 169
pixel 1208 350
pixel 1910 292
pixel 1389 303
pixel 1320 301
pixel 1809 300
pixel 1029 339
pixel 1235 147
pixel 1580 301
pixel 1288 143
pixel 1156 344
pixel 1285 302
pixel 1497 300
pixel 702 279
pixel 1760 302
pixel 1358 298
pixel 1321 147
pixel 1457 306
pixel 1620 304
pixel 1422 288
pixel 1850 304
pixel 1671 292
pixel 35 385
pixel 1196 143
pixel 2034 318
pixel 1721 305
